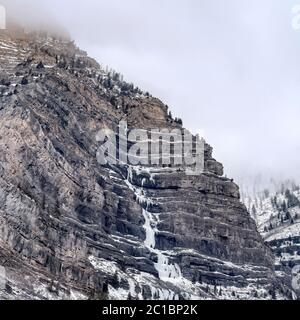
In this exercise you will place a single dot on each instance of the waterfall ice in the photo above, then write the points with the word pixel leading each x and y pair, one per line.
pixel 150 231
pixel 165 269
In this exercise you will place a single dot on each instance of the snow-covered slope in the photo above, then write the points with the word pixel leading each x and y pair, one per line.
pixel 278 220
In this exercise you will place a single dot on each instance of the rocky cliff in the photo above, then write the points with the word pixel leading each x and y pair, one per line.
pixel 73 229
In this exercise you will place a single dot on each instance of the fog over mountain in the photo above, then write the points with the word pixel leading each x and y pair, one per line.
pixel 229 69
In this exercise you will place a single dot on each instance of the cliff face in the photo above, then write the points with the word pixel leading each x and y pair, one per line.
pixel 71 228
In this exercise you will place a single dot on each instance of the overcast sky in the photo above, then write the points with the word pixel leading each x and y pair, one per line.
pixel 228 68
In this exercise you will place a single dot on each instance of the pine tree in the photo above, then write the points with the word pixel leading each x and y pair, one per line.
pixel 254 212
pixel 266 193
pixel 115 281
pixel 215 290
pixel 284 206
pixel 271 226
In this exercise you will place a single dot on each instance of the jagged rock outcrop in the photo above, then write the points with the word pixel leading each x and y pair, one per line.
pixel 71 228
